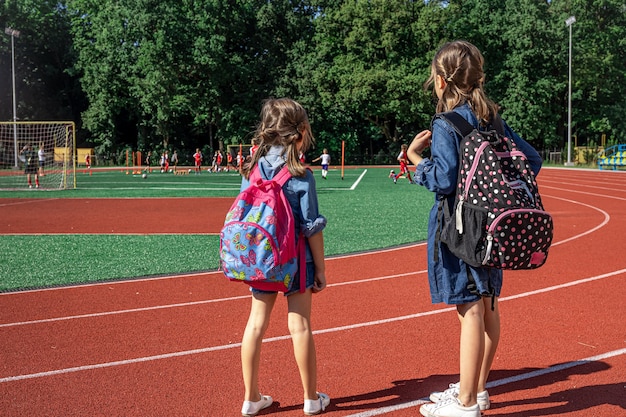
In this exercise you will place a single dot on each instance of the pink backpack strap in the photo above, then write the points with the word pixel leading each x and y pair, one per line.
pixel 281 177
pixel 302 261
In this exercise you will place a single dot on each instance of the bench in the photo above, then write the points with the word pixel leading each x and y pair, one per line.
pixel 613 157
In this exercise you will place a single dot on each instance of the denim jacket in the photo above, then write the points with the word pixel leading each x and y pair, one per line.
pixel 448 276
pixel 300 192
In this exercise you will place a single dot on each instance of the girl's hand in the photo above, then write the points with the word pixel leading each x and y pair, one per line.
pixel 420 142
pixel 320 282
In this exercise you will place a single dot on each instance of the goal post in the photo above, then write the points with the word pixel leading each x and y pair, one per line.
pixel 45 149
pixel 234 150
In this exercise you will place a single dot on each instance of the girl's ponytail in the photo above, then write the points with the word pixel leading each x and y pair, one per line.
pixel 460 64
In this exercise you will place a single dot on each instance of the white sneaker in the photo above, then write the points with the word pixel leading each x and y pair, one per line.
pixel 252 408
pixel 449 407
pixel 482 398
pixel 313 407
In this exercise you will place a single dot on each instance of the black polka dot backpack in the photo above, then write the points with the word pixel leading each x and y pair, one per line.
pixel 497 219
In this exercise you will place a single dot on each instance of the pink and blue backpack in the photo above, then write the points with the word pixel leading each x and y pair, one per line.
pixel 258 242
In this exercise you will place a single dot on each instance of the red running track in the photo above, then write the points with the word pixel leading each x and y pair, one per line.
pixel 170 346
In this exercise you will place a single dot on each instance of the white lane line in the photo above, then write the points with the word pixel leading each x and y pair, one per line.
pixel 352 188
pixel 286 337
pixel 586 193
pixel 16 203
pixel 115 312
pixel 504 381
pixel 190 303
pixel 606 215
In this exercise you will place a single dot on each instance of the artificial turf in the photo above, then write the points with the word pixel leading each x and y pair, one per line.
pixel 365 211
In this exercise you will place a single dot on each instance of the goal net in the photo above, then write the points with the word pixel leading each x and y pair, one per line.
pixel 43 151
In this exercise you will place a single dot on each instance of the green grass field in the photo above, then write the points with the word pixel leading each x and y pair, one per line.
pixel 364 214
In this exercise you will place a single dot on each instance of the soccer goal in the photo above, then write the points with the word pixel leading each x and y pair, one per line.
pixel 46 149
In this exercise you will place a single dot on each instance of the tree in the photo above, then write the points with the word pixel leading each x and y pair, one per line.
pixel 598 68
pixel 45 88
pixel 525 44
pixel 204 65
pixel 105 56
pixel 154 74
pixel 368 64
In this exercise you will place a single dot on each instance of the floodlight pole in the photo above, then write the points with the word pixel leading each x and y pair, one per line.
pixel 569 22
pixel 13 33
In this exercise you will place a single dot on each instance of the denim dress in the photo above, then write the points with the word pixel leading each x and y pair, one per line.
pixel 448 276
pixel 302 196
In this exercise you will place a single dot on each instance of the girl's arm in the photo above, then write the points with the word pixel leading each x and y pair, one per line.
pixel 316 243
pixel 439 173
pixel 312 225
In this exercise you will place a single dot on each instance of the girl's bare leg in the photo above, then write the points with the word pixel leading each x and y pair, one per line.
pixel 472 349
pixel 492 338
pixel 303 345
pixel 260 311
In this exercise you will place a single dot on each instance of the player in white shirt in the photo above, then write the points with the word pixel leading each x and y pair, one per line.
pixel 325 157
pixel 41 155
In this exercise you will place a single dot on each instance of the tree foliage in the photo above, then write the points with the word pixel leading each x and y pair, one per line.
pixel 181 74
pixel 46 88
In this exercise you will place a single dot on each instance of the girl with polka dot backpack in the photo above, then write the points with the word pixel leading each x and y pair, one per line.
pixel 487 216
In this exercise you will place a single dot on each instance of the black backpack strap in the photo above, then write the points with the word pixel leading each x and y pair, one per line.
pixel 458 122
pixel 498 124
pixel 440 209
pixel 463 127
